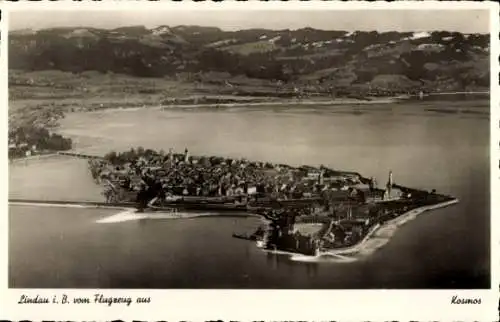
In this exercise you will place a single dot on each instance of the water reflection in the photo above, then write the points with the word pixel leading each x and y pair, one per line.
pixel 312 269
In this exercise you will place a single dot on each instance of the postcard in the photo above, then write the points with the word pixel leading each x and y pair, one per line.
pixel 250 161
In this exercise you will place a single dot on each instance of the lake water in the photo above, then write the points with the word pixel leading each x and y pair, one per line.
pixel 430 145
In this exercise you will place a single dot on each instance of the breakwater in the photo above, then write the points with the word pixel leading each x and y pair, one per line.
pixel 189 207
pixel 128 212
pixel 70 204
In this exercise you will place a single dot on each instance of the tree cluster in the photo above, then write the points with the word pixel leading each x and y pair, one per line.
pixel 130 156
pixel 27 137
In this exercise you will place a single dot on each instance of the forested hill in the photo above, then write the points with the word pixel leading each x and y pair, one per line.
pixel 441 60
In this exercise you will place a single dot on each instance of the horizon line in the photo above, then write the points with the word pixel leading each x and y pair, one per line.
pixel 242 29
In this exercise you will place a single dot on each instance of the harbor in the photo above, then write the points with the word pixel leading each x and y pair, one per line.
pixel 312 247
pixel 308 210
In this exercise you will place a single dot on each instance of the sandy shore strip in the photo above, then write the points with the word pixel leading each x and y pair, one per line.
pixel 293 102
pixel 368 243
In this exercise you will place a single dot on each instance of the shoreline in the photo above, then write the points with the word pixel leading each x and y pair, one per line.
pixel 398 221
pixel 271 102
pixel 236 102
pixel 348 252
pixel 323 101
pixel 251 103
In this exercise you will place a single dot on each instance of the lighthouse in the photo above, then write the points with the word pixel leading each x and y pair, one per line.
pixel 372 184
pixel 388 190
pixel 390 182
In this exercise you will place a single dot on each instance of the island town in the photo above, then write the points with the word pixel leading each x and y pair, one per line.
pixel 308 210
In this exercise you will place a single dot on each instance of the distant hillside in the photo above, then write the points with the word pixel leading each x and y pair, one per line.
pixel 332 59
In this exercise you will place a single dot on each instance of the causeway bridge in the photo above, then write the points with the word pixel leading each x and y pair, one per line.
pixel 80 155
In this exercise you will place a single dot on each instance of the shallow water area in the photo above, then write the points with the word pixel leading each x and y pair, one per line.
pixel 443 248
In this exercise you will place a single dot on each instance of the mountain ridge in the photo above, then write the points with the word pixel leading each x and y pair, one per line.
pixel 331 59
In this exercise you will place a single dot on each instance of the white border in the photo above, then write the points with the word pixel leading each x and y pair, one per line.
pixel 233 305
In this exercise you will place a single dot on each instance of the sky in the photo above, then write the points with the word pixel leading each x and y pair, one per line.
pixel 466 21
